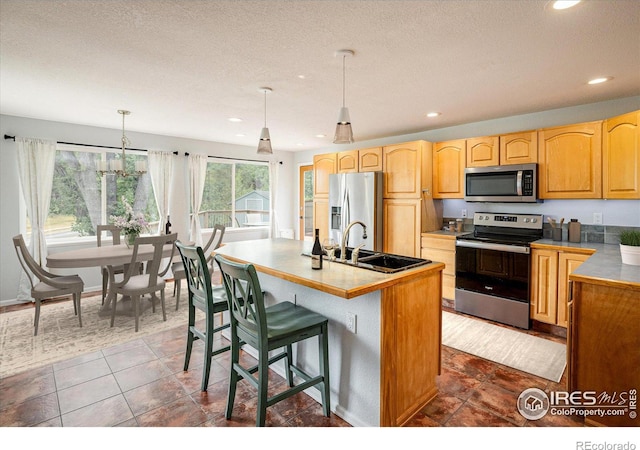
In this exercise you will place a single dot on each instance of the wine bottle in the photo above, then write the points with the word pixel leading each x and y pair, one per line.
pixel 167 227
pixel 316 252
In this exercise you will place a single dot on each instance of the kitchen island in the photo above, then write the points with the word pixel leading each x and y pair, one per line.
pixel 385 371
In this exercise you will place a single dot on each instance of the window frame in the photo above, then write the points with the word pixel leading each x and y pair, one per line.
pixel 53 241
pixel 234 162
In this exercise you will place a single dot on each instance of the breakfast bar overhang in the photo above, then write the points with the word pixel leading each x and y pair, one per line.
pixel 385 372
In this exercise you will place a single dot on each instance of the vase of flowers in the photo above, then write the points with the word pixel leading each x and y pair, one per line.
pixel 131 223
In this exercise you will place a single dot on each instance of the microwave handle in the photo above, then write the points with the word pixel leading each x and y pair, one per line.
pixel 519 182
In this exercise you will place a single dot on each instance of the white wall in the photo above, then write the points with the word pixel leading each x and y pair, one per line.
pixel 12 206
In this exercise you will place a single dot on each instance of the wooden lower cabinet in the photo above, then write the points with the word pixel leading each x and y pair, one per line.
pixel 321 217
pixel 550 270
pixel 442 248
pixel 401 222
pixel 603 343
pixel 410 337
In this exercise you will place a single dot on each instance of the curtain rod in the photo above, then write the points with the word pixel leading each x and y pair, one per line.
pixel 13 138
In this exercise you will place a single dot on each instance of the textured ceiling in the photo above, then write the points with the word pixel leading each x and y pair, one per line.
pixel 184 67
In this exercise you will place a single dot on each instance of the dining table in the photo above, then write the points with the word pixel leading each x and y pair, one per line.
pixel 107 256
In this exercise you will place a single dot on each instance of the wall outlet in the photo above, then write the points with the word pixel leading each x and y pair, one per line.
pixel 597 218
pixel 351 322
pixel 464 213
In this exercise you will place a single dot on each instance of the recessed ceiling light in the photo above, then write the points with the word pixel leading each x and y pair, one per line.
pixel 321 135
pixel 433 114
pixel 565 4
pixel 234 119
pixel 240 135
pixel 300 144
pixel 600 80
pixel 302 77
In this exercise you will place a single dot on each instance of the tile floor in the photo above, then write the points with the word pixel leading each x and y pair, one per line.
pixel 141 384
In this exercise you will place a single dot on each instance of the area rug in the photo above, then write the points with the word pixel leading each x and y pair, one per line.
pixel 515 349
pixel 60 337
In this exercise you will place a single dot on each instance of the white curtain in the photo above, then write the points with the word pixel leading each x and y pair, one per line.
pixel 274 170
pixel 36 160
pixel 197 174
pixel 161 170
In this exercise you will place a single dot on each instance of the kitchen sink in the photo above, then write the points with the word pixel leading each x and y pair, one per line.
pixel 391 263
pixel 378 261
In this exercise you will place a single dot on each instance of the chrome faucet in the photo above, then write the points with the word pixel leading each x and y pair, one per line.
pixel 345 236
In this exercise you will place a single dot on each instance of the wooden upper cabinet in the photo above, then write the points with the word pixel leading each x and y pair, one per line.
pixel 370 159
pixel 483 151
pixel 570 161
pixel 448 169
pixel 347 161
pixel 519 148
pixel 402 165
pixel 323 166
pixel 621 156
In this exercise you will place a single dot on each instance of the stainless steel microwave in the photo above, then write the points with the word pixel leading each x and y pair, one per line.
pixel 515 183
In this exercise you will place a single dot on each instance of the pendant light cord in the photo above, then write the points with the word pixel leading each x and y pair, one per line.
pixel 343 79
pixel 265 108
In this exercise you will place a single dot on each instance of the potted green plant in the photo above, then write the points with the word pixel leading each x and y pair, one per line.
pixel 630 247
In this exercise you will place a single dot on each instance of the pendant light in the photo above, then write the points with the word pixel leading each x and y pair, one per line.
pixel 118 166
pixel 264 145
pixel 344 134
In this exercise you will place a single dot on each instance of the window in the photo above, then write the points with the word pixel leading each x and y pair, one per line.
pixel 82 199
pixel 235 194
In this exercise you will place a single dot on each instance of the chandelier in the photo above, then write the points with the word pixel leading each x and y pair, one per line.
pixel 118 166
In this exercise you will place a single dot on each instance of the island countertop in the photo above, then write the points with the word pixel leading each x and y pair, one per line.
pixel 282 258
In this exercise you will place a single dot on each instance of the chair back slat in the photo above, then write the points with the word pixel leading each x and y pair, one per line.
pixel 215 241
pixel 244 296
pixel 197 273
pixel 29 265
pixel 153 264
pixel 112 229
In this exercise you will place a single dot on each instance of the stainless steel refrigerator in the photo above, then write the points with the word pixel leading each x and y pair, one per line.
pixel 356 196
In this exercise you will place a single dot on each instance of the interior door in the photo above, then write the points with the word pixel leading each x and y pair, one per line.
pixel 305 213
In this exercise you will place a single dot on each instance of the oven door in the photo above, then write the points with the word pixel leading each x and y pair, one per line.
pixel 498 270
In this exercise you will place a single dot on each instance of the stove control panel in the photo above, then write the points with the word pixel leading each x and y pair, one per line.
pixel 533 221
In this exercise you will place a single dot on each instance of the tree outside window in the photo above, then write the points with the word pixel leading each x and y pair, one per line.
pixel 81 198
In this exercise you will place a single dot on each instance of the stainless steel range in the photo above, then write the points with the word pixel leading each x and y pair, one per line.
pixel 493 266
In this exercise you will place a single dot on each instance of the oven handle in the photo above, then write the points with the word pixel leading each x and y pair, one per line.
pixel 493 246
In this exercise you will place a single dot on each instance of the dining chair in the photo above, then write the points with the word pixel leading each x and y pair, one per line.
pixel 115 237
pixel 207 298
pixel 135 285
pixel 214 242
pixel 49 285
pixel 267 329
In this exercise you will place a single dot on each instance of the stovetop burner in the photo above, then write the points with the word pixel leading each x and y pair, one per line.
pixel 500 239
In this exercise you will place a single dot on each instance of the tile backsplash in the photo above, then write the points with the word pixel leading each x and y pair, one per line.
pixel 602 234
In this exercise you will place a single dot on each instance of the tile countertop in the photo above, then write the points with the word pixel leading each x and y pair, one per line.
pixel 605 266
